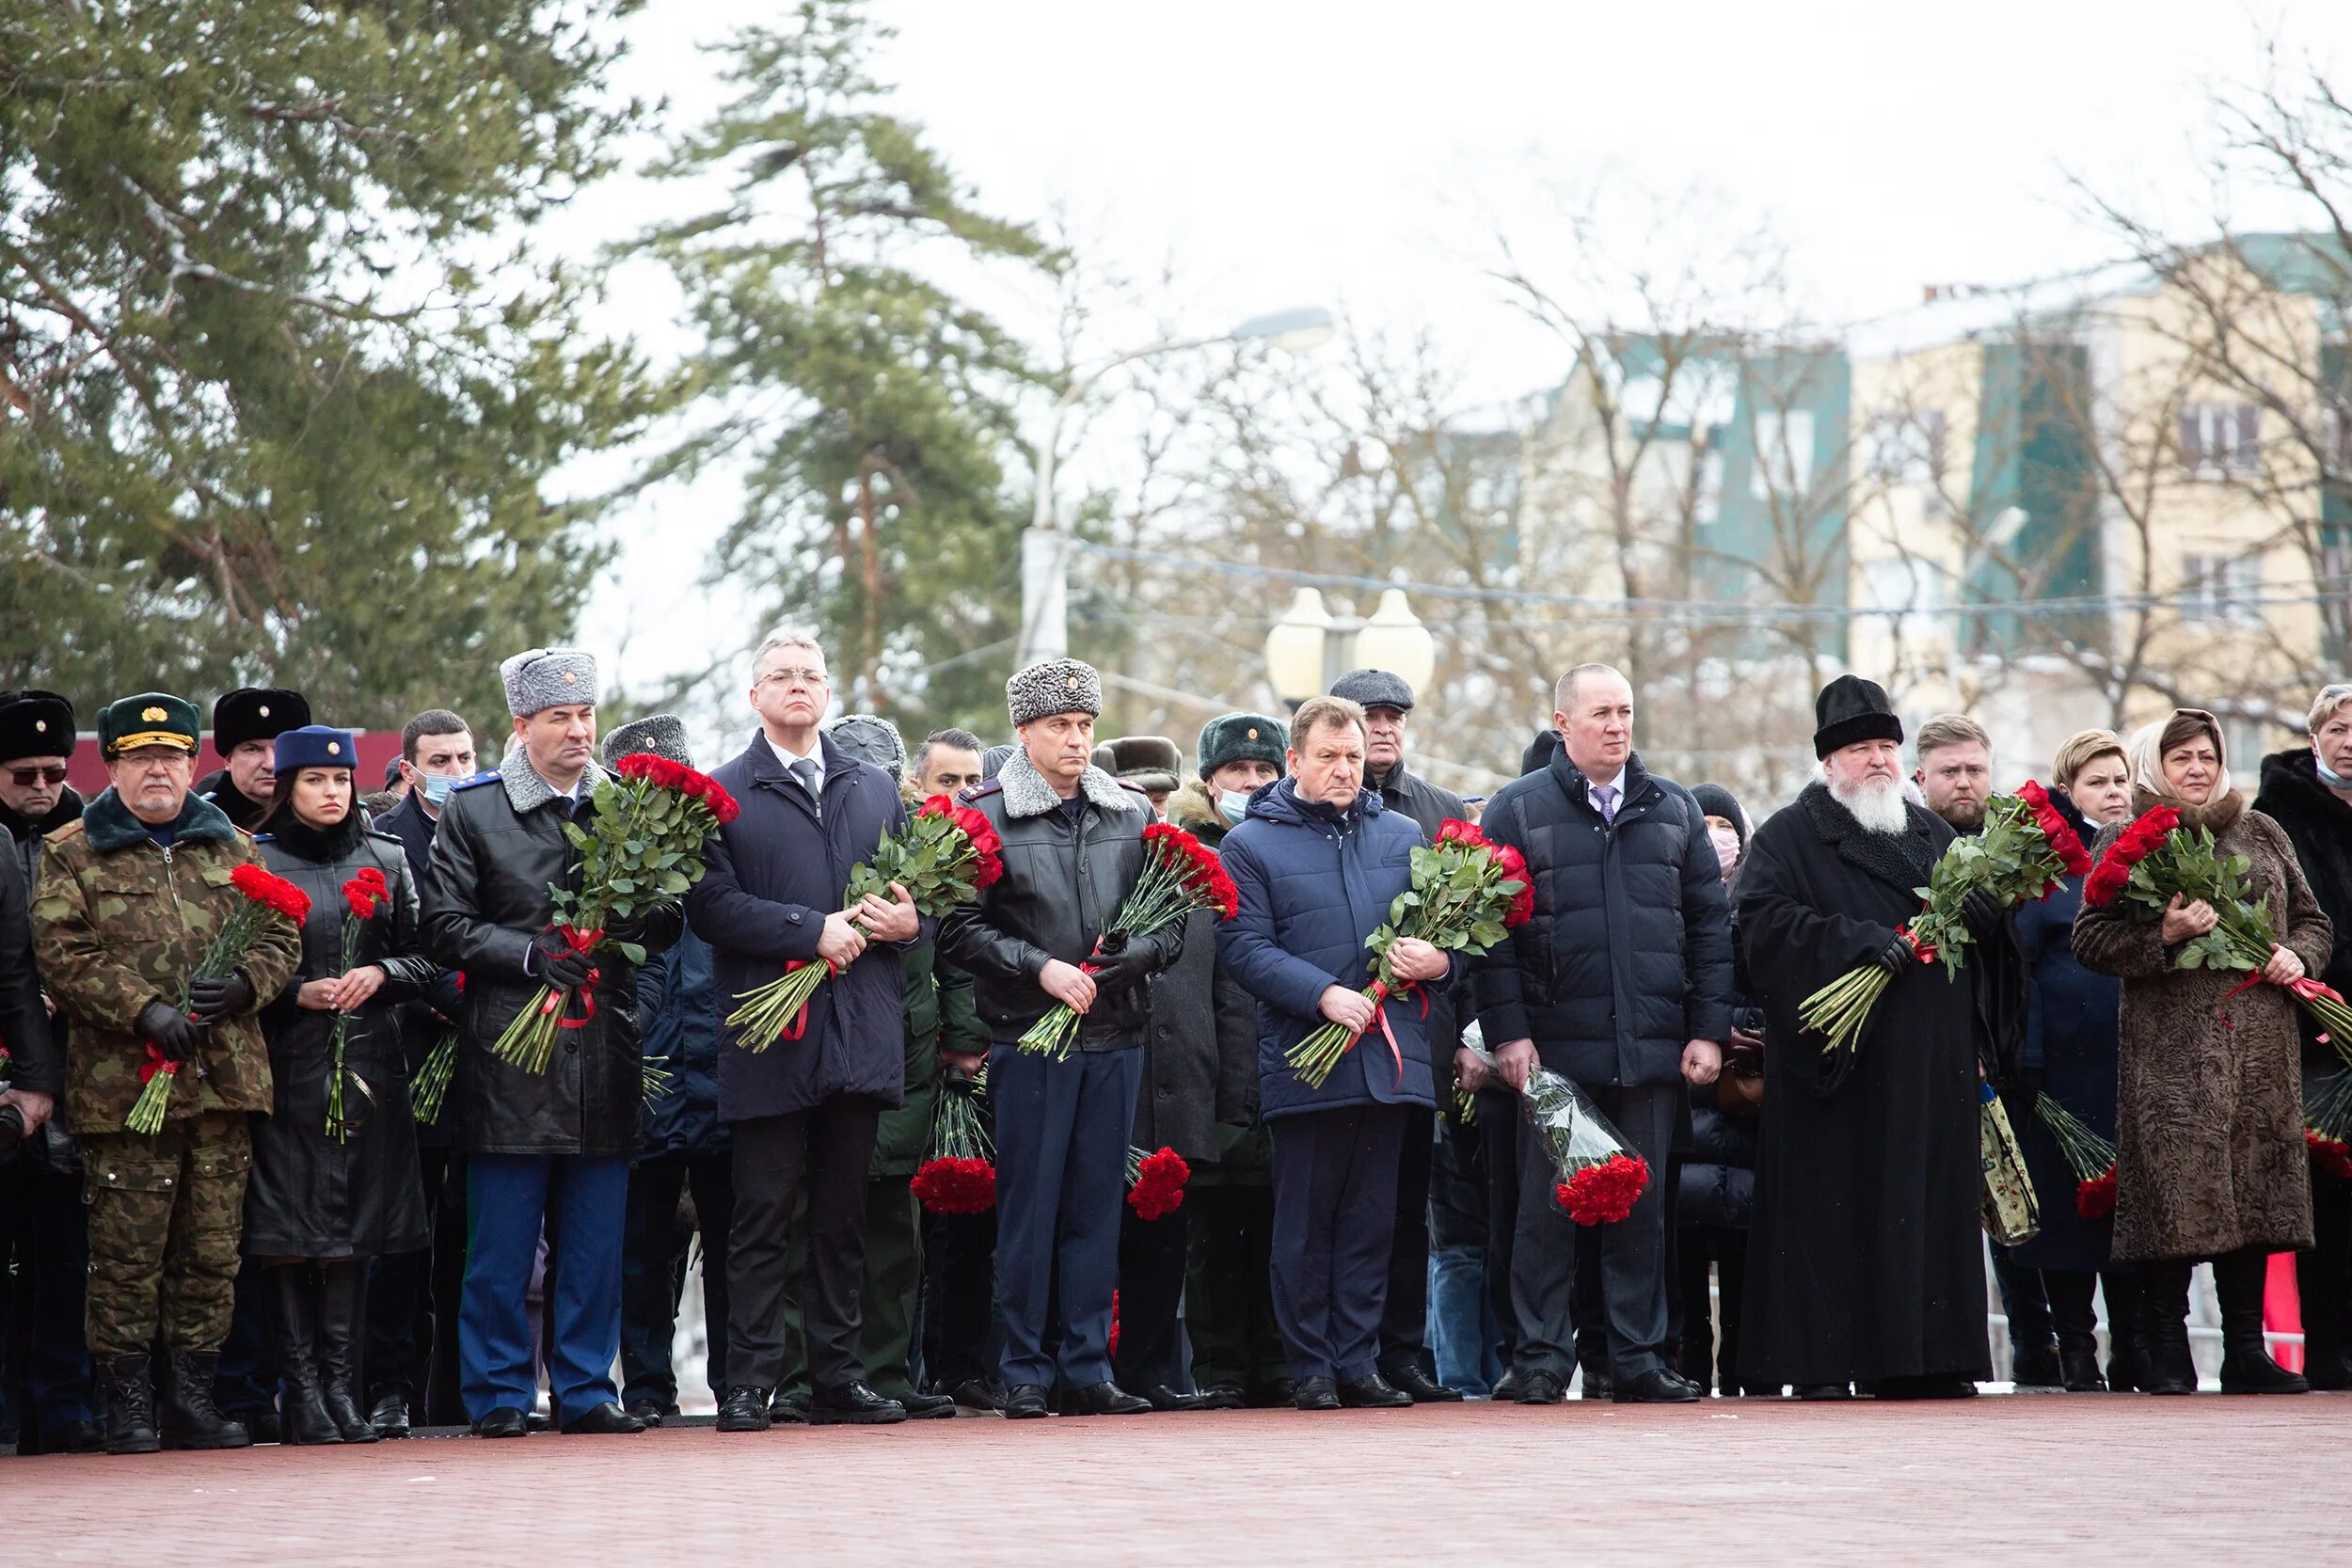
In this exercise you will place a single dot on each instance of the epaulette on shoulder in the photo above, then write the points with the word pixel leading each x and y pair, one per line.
pixel 66 835
pixel 978 791
pixel 1129 784
pixel 477 780
pixel 264 838
pixel 382 837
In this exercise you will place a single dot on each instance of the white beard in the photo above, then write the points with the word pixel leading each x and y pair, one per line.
pixel 1877 804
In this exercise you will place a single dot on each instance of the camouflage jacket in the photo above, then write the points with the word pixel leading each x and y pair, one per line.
pixel 119 922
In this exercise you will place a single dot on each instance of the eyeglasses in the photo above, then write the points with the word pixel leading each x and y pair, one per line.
pixel 27 777
pixel 781 677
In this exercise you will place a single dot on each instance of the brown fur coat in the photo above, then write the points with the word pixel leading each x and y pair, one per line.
pixel 2209 1115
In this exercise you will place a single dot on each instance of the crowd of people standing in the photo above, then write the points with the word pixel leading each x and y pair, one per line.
pixel 306 1248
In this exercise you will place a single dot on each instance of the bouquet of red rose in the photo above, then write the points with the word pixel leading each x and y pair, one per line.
pixel 958 1172
pixel 2091 1157
pixel 362 894
pixel 943 857
pixel 1179 876
pixel 1155 1181
pixel 1467 892
pixel 266 898
pixel 2328 1125
pixel 2155 859
pixel 650 824
pixel 2025 852
pixel 1599 1177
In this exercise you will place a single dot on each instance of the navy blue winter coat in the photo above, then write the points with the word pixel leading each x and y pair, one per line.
pixel 1627 957
pixel 1315 883
pixel 2072 1025
pixel 677 1012
pixel 772 875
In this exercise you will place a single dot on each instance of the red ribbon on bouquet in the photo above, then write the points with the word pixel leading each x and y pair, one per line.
pixel 1926 950
pixel 2304 989
pixel 157 1062
pixel 1380 995
pixel 799 1025
pixel 581 942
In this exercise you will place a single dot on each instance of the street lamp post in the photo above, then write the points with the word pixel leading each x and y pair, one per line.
pixel 1309 648
pixel 1044 548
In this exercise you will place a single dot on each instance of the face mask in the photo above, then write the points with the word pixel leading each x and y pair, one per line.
pixel 2331 780
pixel 1232 807
pixel 438 787
pixel 1727 847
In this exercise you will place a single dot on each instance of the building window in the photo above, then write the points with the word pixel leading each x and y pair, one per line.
pixel 2222 590
pixel 1907 448
pixel 1910 592
pixel 1783 455
pixel 1707 501
pixel 2219 439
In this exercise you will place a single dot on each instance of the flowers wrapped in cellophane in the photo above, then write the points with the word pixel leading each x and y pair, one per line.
pixel 1599 1176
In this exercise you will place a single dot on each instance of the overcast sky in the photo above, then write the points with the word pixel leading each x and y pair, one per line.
pixel 1361 155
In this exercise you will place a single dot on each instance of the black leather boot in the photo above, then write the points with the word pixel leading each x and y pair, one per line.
pixel 2166 1364
pixel 342 1288
pixel 190 1420
pixel 293 1324
pixel 2246 1365
pixel 131 1406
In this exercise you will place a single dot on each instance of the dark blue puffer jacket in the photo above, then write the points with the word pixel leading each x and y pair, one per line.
pixel 678 1011
pixel 1627 957
pixel 1315 883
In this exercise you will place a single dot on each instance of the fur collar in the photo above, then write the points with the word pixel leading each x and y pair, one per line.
pixel 527 791
pixel 1027 794
pixel 1901 860
pixel 2218 815
pixel 110 827
pixel 1191 809
pixel 321 846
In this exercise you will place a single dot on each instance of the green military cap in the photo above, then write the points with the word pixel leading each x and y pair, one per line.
pixel 1243 737
pixel 149 719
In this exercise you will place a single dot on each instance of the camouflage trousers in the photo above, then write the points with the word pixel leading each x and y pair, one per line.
pixel 165 1216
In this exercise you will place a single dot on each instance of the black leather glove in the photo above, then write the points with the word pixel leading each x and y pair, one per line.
pixel 1982 914
pixel 213 999
pixel 627 928
pixel 1897 956
pixel 1125 965
pixel 554 963
pixel 171 1031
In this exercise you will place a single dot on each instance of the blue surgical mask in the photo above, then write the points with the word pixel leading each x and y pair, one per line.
pixel 437 786
pixel 2331 780
pixel 1232 807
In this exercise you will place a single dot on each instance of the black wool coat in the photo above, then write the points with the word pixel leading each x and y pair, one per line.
pixel 771 878
pixel 2319 824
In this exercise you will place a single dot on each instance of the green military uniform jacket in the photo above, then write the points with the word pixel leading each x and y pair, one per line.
pixel 119 922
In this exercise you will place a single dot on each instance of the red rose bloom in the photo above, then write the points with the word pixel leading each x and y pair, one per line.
pixel 2333 1156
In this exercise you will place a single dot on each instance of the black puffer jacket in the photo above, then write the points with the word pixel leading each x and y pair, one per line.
pixel 499 843
pixel 1064 883
pixel 2319 824
pixel 1629 955
pixel 312 1195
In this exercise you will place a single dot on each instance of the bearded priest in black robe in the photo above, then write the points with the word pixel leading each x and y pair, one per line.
pixel 1865 1262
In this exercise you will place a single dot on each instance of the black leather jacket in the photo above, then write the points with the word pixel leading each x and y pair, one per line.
pixel 1062 886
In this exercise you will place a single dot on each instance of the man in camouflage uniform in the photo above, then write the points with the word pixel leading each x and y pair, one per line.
pixel 129 898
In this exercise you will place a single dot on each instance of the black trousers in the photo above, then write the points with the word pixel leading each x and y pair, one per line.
pixel 1228 1302
pixel 412 1301
pixel 826 1151
pixel 653 1251
pixel 1498 1118
pixel 1150 1291
pixel 45 1262
pixel 1404 1316
pixel 1701 1248
pixel 2322 1278
pixel 962 1341
pixel 1632 1251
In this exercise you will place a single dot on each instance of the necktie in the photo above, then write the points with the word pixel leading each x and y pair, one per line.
pixel 805 769
pixel 1605 796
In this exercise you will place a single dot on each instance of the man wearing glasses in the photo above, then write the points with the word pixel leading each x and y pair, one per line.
pixel 36 742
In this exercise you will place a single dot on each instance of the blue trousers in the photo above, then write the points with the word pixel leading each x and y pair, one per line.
pixel 1334 1217
pixel 1061 1185
pixel 508 1197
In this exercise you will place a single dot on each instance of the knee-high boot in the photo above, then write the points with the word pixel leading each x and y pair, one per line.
pixel 294 1303
pixel 2246 1364
pixel 342 1285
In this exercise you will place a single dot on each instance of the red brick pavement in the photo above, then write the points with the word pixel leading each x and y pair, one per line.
pixel 2093 1479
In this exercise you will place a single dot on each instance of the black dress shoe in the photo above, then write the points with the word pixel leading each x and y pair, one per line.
pixel 1417 1385
pixel 2038 1369
pixel 788 1409
pixel 1929 1386
pixel 1658 1386
pixel 1161 1397
pixel 1024 1402
pixel 653 1411
pixel 926 1408
pixel 505 1422
pixel 1280 1394
pixel 1539 1389
pixel 388 1415
pixel 744 1409
pixel 854 1404
pixel 1823 1393
pixel 1103 1399
pixel 1599 1384
pixel 1316 1393
pixel 1222 1396
pixel 73 1437
pixel 978 1393
pixel 1506 1388
pixel 1373 1393
pixel 602 1421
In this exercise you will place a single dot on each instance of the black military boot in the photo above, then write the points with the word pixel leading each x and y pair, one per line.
pixel 2246 1364
pixel 293 1324
pixel 190 1420
pixel 342 1287
pixel 130 1406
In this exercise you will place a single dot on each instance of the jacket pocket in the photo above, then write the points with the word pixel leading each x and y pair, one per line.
pixel 108 1173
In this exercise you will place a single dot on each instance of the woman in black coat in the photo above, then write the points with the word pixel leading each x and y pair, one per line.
pixel 320 1204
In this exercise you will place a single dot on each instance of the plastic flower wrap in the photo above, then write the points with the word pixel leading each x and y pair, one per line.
pixel 1599 1176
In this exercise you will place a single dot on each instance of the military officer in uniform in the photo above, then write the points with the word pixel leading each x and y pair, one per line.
pixel 247 723
pixel 129 899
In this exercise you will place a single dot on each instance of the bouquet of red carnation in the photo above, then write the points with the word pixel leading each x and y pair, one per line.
pixel 266 897
pixel 2025 852
pixel 1599 1177
pixel 1155 1182
pixel 2091 1157
pixel 362 894
pixel 958 1172
pixel 1467 892
pixel 2155 859
pixel 650 824
pixel 943 857
pixel 430 1086
pixel 1179 876
pixel 2327 1126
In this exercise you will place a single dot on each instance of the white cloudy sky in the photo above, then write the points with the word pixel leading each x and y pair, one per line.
pixel 1360 155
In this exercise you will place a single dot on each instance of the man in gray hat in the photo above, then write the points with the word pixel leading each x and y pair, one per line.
pixel 1405 1360
pixel 1073 849
pixel 539 1145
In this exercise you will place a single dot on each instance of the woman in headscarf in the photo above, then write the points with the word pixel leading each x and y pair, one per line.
pixel 2210 1159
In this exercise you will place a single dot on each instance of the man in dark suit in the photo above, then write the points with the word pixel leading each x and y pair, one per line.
pixel 802 1109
